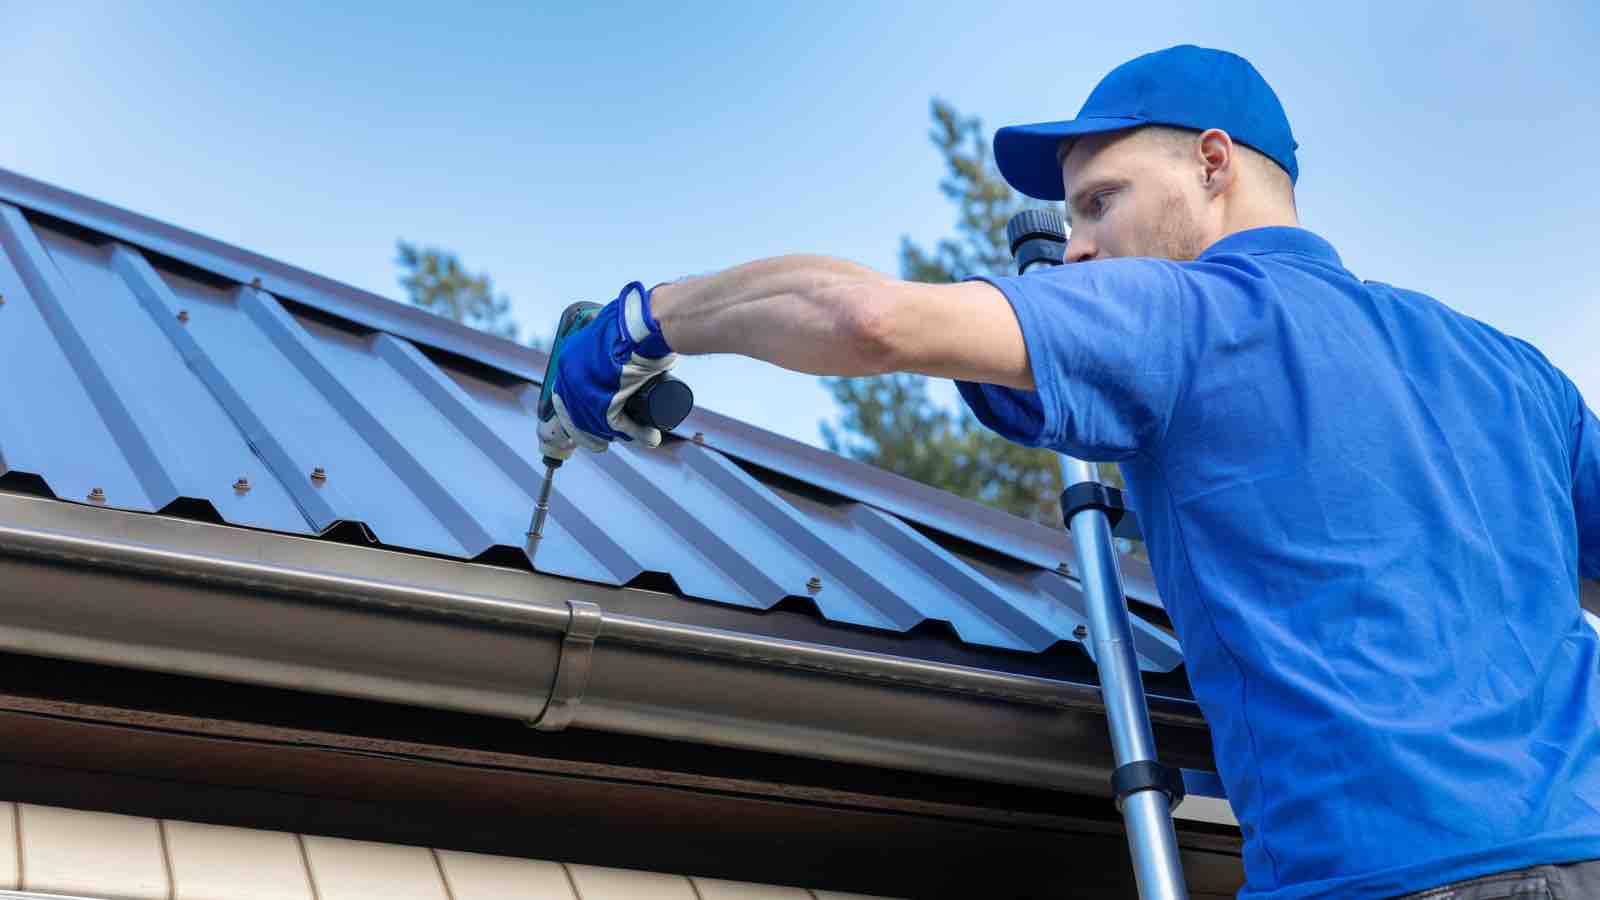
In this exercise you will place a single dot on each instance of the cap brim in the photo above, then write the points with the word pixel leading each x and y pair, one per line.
pixel 1026 154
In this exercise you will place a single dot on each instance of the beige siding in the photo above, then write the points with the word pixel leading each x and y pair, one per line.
pixel 214 862
pixel 712 889
pixel 596 883
pixel 360 870
pixel 10 863
pixel 117 857
pixel 68 851
pixel 478 876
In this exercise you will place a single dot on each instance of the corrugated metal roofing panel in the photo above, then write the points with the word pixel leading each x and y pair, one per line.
pixel 103 401
pixel 164 383
pixel 173 318
pixel 908 499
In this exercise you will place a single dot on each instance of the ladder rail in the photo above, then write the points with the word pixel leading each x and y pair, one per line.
pixel 1038 240
pixel 1152 840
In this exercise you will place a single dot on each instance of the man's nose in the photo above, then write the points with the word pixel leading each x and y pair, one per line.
pixel 1079 248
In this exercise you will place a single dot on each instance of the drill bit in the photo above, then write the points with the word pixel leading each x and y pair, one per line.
pixel 542 508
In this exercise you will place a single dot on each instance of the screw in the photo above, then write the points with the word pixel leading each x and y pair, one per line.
pixel 814 584
pixel 1081 632
pixel 256 282
pixel 699 437
pixel 183 315
pixel 98 495
pixel 319 474
pixel 242 485
pixel 1063 569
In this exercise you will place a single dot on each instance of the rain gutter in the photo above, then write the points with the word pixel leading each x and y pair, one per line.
pixel 547 657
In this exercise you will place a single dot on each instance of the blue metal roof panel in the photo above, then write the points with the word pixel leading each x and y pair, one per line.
pixel 122 413
pixel 908 499
pixel 163 382
pixel 173 317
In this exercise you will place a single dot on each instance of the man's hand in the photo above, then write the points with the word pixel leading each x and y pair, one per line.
pixel 599 368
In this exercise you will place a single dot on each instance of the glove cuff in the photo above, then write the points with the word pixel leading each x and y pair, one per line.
pixel 640 324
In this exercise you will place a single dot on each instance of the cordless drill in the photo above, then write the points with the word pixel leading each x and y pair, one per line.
pixel 662 402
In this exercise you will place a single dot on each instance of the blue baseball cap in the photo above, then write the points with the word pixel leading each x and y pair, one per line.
pixel 1184 86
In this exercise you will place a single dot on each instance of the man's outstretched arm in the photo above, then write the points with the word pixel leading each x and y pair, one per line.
pixel 829 316
pixel 1096 375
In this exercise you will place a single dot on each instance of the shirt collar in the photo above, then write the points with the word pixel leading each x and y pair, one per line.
pixel 1275 239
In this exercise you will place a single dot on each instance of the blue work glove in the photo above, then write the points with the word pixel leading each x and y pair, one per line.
pixel 599 368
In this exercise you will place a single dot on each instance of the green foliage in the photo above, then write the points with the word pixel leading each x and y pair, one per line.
pixel 891 421
pixel 435 280
pixel 984 204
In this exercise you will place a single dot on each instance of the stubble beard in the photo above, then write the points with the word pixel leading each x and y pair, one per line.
pixel 1175 233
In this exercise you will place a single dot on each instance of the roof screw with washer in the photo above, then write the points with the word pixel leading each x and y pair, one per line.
pixel 814 584
pixel 318 473
pixel 242 485
pixel 183 315
pixel 97 495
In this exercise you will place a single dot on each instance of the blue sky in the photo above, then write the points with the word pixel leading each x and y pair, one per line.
pixel 1446 147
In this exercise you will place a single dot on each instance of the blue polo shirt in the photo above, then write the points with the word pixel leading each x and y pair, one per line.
pixel 1367 515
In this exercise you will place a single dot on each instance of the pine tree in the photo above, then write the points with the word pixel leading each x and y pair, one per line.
pixel 435 280
pixel 890 420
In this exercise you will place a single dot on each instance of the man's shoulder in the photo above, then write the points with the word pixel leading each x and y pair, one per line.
pixel 1221 276
pixel 1483 339
pixel 1108 273
pixel 1524 351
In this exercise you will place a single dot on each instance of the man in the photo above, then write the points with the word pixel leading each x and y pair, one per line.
pixel 1367 513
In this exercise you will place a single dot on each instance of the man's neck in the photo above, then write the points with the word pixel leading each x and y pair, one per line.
pixel 1257 209
pixel 1265 215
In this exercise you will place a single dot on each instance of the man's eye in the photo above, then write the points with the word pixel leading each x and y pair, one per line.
pixel 1093 206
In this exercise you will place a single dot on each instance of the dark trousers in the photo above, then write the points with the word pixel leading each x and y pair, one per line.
pixel 1570 881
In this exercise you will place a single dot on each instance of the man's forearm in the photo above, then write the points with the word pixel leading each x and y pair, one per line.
pixel 807 313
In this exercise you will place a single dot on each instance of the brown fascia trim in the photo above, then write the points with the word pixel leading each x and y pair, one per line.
pixel 766 832
pixel 275 610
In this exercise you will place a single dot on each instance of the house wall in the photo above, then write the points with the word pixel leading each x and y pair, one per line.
pixel 54 850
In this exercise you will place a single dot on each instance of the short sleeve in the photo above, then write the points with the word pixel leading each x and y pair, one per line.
pixel 1105 341
pixel 1586 489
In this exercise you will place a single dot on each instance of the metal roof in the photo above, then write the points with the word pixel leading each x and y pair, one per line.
pixel 159 371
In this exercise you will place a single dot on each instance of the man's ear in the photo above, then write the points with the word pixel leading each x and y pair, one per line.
pixel 1217 158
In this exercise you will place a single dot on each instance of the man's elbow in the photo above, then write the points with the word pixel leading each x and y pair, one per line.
pixel 871 326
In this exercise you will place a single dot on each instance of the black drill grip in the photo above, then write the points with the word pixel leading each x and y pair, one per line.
pixel 661 402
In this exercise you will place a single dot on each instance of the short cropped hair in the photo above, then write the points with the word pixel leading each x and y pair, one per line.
pixel 1180 141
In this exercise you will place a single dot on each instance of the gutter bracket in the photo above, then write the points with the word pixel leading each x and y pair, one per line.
pixel 572 667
